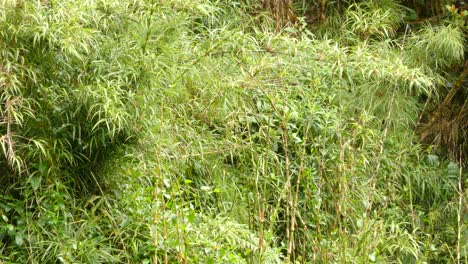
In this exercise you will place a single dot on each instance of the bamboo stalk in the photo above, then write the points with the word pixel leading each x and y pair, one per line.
pixel 459 211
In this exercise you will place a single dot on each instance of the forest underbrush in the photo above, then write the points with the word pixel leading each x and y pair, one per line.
pixel 207 132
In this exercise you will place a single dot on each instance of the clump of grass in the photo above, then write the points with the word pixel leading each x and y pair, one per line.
pixel 249 146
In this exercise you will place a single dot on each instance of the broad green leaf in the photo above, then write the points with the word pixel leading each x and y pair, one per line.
pixel 35 182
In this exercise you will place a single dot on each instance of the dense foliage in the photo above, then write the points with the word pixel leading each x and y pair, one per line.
pixel 232 131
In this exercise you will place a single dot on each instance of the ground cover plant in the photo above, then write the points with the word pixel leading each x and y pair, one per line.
pixel 233 131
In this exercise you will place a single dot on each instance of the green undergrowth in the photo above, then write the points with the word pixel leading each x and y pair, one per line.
pixel 189 131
